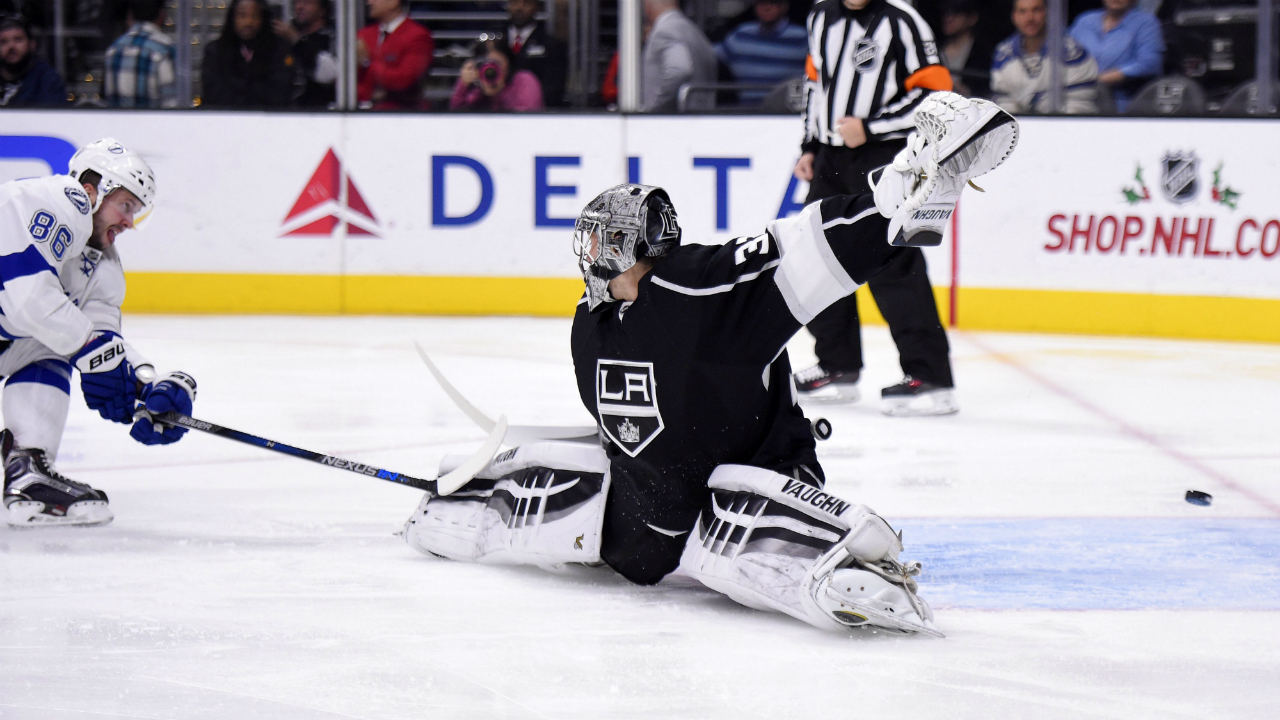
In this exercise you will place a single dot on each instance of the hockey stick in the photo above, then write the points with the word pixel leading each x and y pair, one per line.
pixel 443 485
pixel 516 434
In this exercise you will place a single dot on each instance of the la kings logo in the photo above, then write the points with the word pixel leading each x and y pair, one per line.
pixel 627 403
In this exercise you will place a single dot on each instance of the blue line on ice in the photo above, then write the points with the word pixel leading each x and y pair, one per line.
pixel 1097 564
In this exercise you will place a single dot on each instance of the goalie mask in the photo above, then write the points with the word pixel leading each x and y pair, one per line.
pixel 119 167
pixel 619 226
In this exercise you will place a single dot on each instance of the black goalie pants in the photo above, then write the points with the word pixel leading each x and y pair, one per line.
pixel 902 290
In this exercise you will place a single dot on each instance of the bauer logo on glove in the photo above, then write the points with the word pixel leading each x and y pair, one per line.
pixel 106 377
pixel 102 353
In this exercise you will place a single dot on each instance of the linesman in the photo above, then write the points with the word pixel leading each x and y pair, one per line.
pixel 871 63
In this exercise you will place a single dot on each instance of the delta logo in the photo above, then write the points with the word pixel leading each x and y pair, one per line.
pixel 323 205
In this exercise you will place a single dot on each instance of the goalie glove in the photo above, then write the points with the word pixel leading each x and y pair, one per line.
pixel 176 392
pixel 106 377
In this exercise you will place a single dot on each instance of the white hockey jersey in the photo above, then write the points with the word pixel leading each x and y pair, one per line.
pixel 54 288
pixel 1020 80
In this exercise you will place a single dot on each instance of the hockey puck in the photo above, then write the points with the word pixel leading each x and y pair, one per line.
pixel 1195 497
pixel 822 429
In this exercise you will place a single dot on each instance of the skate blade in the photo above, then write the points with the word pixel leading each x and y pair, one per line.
pixel 29 514
pixel 861 615
pixel 833 393
pixel 938 402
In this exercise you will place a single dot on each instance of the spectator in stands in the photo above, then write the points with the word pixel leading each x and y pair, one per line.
pixel 394 56
pixel 768 51
pixel 311 40
pixel 535 49
pixel 1020 75
pixel 609 85
pixel 488 82
pixel 247 66
pixel 140 64
pixel 1126 42
pixel 26 80
pixel 966 53
pixel 675 53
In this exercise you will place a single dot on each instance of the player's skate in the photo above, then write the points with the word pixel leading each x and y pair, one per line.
pixel 860 582
pixel 37 496
pixel 956 139
pixel 817 383
pixel 914 397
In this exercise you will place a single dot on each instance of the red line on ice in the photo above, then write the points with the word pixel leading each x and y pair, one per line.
pixel 1126 428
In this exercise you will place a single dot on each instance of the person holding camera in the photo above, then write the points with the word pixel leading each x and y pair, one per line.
pixel 488 83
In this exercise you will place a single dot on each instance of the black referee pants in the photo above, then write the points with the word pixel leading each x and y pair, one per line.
pixel 902 290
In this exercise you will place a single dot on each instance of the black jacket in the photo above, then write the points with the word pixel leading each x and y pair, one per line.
pixel 305 51
pixel 37 85
pixel 544 56
pixel 266 80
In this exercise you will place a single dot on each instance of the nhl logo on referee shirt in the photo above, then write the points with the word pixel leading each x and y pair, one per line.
pixel 627 403
pixel 865 56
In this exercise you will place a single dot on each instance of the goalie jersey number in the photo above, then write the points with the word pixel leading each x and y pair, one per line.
pixel 627 403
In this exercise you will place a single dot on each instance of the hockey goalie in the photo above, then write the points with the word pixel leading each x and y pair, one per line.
pixel 705 463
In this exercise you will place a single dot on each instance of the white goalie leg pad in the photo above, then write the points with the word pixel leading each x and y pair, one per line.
pixel 539 504
pixel 774 542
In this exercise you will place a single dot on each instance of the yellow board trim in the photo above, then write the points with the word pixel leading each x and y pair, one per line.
pixel 1059 311
pixel 1099 313
pixel 236 294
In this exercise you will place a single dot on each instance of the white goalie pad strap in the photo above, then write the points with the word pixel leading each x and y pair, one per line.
pixel 809 276
pixel 763 536
pixel 533 513
pixel 804 496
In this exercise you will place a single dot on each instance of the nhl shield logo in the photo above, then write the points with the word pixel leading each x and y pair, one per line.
pixel 627 403
pixel 1181 177
pixel 865 56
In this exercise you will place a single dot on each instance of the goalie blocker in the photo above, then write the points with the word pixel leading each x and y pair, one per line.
pixel 766 540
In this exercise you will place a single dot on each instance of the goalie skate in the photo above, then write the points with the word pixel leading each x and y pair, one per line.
pixel 860 582
pixel 957 139
pixel 37 496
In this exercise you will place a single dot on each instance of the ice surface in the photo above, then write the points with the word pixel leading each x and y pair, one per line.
pixel 1069 574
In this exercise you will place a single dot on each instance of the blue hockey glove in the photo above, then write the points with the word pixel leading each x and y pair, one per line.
pixel 175 392
pixel 106 377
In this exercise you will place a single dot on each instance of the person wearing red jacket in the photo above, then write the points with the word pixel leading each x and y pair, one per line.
pixel 394 56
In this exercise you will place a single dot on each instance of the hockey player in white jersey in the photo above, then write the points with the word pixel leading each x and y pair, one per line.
pixel 706 463
pixel 61 286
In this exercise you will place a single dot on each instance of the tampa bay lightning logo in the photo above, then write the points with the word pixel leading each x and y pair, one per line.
pixel 79 199
pixel 627 403
pixel 89 262
pixel 865 56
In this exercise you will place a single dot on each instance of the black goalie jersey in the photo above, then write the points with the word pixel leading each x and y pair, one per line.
pixel 694 373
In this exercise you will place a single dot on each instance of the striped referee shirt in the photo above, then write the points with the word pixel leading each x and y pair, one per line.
pixel 140 69
pixel 877 63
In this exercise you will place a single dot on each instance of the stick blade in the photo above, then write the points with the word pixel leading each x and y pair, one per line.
pixel 466 407
pixel 473 465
